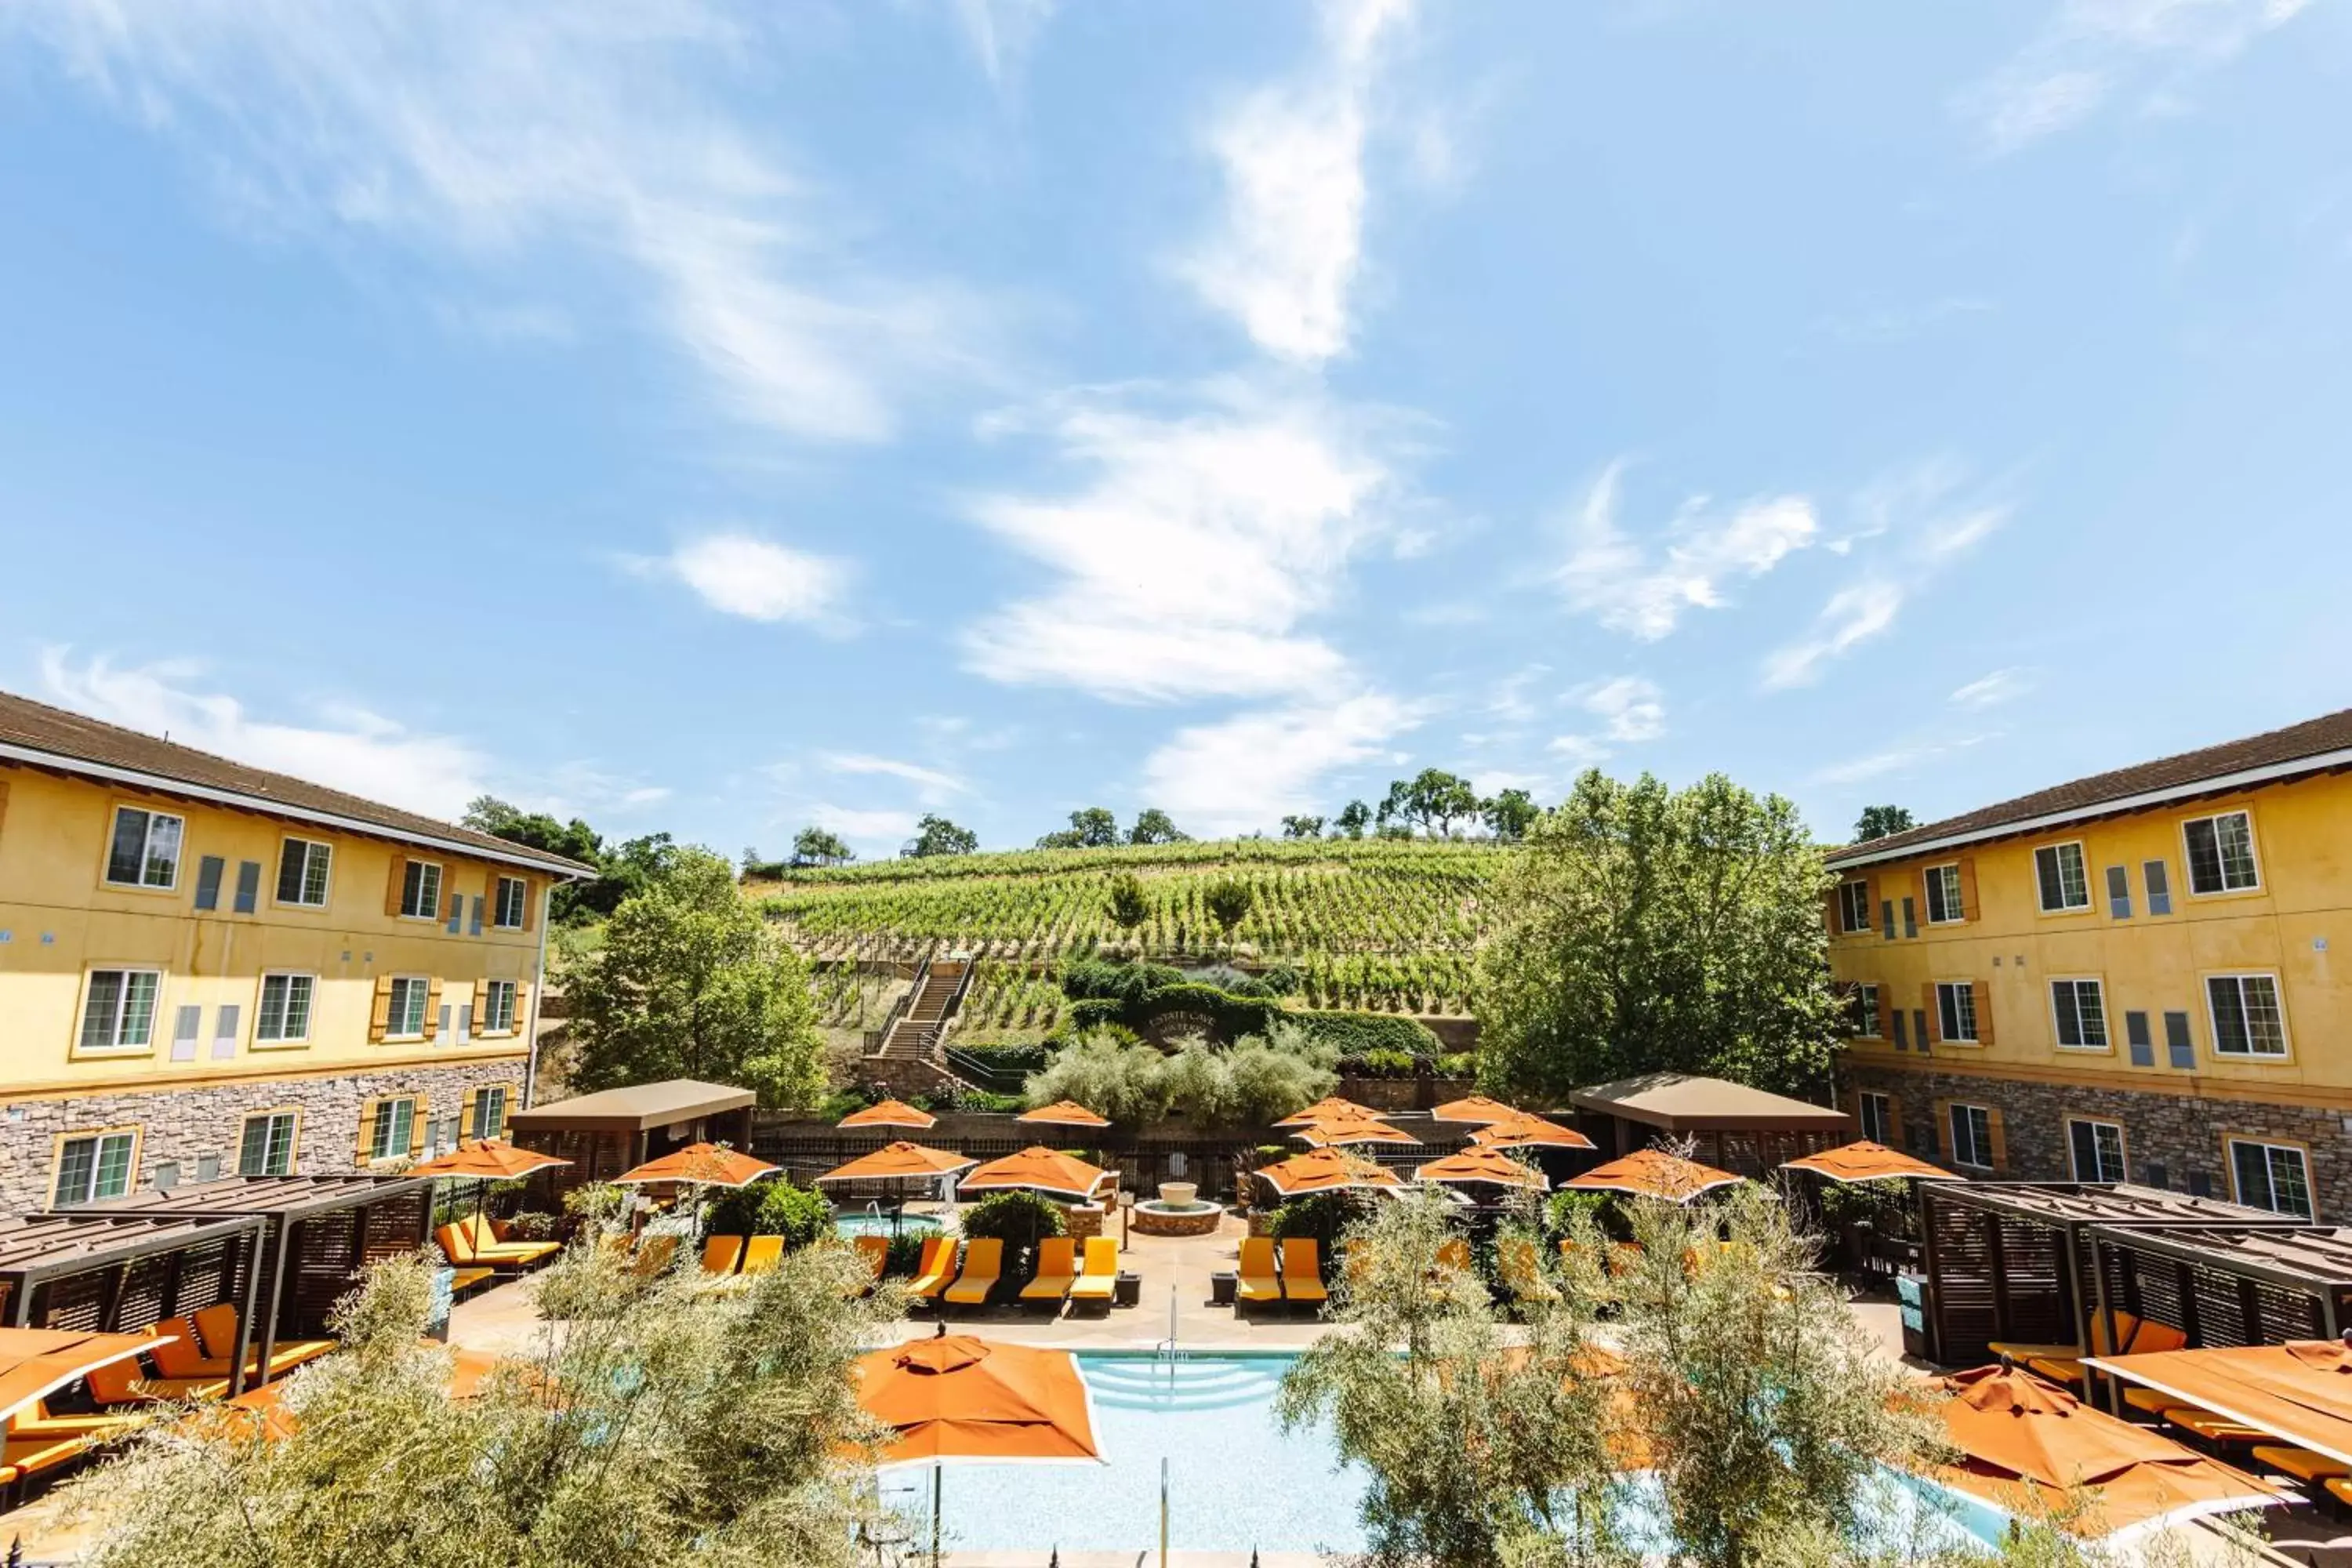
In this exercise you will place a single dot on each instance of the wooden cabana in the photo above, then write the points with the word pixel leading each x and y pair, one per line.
pixel 2011 1260
pixel 118 1273
pixel 2229 1286
pixel 616 1130
pixel 1742 1129
pixel 322 1231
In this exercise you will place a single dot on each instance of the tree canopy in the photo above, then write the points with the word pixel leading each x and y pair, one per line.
pixel 1431 800
pixel 1302 828
pixel 1353 819
pixel 1881 822
pixel 938 836
pixel 1152 826
pixel 1646 929
pixel 621 870
pixel 815 845
pixel 1091 827
pixel 1510 814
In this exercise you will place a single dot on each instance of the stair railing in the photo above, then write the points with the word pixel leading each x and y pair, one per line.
pixel 875 1039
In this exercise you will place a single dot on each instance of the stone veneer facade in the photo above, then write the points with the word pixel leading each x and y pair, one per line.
pixel 193 1127
pixel 2173 1140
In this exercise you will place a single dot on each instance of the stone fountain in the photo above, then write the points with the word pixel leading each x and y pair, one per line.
pixel 1177 1210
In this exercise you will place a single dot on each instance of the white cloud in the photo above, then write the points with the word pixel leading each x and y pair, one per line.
pixel 1854 616
pixel 1621 585
pixel 478 133
pixel 1248 771
pixel 1991 690
pixel 870 832
pixel 1908 757
pixel 741 574
pixel 1189 562
pixel 1001 32
pixel 1632 711
pixel 1288 252
pixel 2094 51
pixel 932 786
pixel 1510 700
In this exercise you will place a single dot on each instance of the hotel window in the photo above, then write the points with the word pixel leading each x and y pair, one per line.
pixel 490 1112
pixel 498 1006
pixel 93 1167
pixel 2274 1176
pixel 1972 1136
pixel 119 1012
pixel 1955 1011
pixel 2099 1148
pixel 2222 854
pixel 1863 1018
pixel 2065 885
pixel 406 1020
pixel 146 849
pixel 392 1128
pixel 1943 905
pixel 1877 1117
pixel 2246 1017
pixel 265 1148
pixel 302 873
pixel 2082 1013
pixel 284 1017
pixel 420 890
pixel 512 892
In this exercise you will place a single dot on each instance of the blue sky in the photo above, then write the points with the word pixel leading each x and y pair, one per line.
pixel 725 417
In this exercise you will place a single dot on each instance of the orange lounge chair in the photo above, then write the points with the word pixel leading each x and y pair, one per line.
pixel 2211 1428
pixel 24 1456
pixel 2301 1463
pixel 984 1266
pixel 1302 1270
pixel 762 1254
pixel 36 1421
pixel 473 1243
pixel 123 1383
pixel 935 1270
pixel 1057 1270
pixel 1098 1281
pixel 206 1351
pixel 721 1254
pixel 1515 1260
pixel 1255 1280
pixel 655 1256
pixel 876 1251
pixel 2340 1488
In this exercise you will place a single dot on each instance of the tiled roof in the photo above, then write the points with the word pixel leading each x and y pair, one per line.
pixel 2275 753
pixel 75 742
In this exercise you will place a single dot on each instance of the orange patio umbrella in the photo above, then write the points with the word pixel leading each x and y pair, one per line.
pixel 889 1113
pixel 2300 1392
pixel 1063 1113
pixel 1324 1171
pixel 1868 1162
pixel 709 1164
pixel 1653 1174
pixel 1327 1108
pixel 1038 1170
pixel 1476 1108
pixel 899 1160
pixel 489 1160
pixel 2020 1437
pixel 468 1370
pixel 1337 1130
pixel 1525 1131
pixel 37 1362
pixel 1474 1167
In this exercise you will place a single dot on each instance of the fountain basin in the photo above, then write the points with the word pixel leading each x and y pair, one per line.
pixel 1160 1216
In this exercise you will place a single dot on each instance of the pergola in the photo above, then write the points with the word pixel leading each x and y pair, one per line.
pixel 114 1273
pixel 616 1130
pixel 2230 1287
pixel 322 1231
pixel 1743 1129
pixel 2011 1260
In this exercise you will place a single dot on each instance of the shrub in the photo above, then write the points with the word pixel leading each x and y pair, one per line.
pixel 772 1208
pixel 1233 1017
pixel 905 1252
pixel 1560 1214
pixel 1322 1216
pixel 597 1203
pixel 1381 1064
pixel 1018 1220
pixel 1012 1058
pixel 834 1107
pixel 1120 1078
pixel 1358 1034
pixel 1084 979
pixel 531 1225
pixel 1458 1064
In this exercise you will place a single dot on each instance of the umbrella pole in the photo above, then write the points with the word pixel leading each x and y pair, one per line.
pixel 1163 1512
pixel 935 1515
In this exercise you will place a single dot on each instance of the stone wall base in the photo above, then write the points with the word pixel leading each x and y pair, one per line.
pixel 187 1134
pixel 2173 1140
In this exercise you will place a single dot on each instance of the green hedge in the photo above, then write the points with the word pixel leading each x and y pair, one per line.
pixel 1356 1035
pixel 1362 1034
pixel 1010 1059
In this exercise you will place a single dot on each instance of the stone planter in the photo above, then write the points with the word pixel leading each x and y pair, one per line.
pixel 1181 1194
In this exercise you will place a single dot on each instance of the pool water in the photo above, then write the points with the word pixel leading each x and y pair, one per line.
pixel 864 1222
pixel 1235 1480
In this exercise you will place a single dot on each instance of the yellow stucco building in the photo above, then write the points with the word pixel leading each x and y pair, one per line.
pixel 205 968
pixel 2128 977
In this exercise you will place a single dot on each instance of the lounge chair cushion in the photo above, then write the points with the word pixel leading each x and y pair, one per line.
pixel 1099 1280
pixel 2301 1463
pixel 935 1270
pixel 984 1263
pixel 1056 1270
pixel 1255 1280
pixel 1302 1271
pixel 721 1254
pixel 37 1422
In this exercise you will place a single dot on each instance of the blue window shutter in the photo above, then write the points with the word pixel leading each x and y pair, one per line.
pixel 477 929
pixel 225 1032
pixel 1886 917
pixel 2143 1043
pixel 248 885
pixel 1902 1041
pixel 185 1026
pixel 2159 887
pixel 2178 1048
pixel 208 880
pixel 1910 917
pixel 457 912
pixel 2118 893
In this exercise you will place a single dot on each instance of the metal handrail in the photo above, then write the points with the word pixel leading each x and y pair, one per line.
pixel 898 1009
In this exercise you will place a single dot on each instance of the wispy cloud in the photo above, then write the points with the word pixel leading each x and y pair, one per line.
pixel 1906 757
pixel 1245 772
pixel 2093 52
pixel 1285 258
pixel 758 579
pixel 476 135
pixel 1885 324
pixel 1853 616
pixel 933 787
pixel 1001 32
pixel 870 831
pixel 1628 587
pixel 1991 690
pixel 1631 709
pixel 1195 555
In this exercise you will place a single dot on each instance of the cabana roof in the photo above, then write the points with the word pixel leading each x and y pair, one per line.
pixel 277 1198
pixel 2114 1204
pixel 637 1108
pixel 1679 1102
pixel 34 1248
pixel 2300 1257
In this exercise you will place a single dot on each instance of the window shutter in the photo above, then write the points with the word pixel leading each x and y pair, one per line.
pixel 1984 1014
pixel 208 881
pixel 2143 1043
pixel 1830 909
pixel 522 1002
pixel 477 924
pixel 380 1014
pixel 466 1113
pixel 457 913
pixel 1910 916
pixel 1968 887
pixel 1934 1032
pixel 1896 1134
pixel 2179 1051
pixel 482 1006
pixel 416 1128
pixel 529 899
pixel 248 885
pixel 431 1008
pixel 365 1151
pixel 2159 887
pixel 1999 1139
pixel 1885 1007
pixel 2118 893
pixel 399 881
pixel 1887 919
pixel 1943 1130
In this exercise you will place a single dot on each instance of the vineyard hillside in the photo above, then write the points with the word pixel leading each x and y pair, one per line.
pixel 1371 922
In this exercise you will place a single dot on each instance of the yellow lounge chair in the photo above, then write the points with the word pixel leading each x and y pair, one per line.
pixel 655 1256
pixel 1455 1254
pixel 1515 1262
pixel 761 1254
pixel 984 1265
pixel 721 1254
pixel 1098 1281
pixel 23 1457
pixel 217 1329
pixel 1302 1270
pixel 2339 1488
pixel 124 1383
pixel 2211 1428
pixel 1255 1280
pixel 2301 1463
pixel 936 1270
pixel 876 1251
pixel 35 1421
pixel 1057 1270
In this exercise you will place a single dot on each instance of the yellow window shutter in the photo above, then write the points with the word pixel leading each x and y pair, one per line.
pixel 1943 1130
pixel 1885 1013
pixel 366 1148
pixel 1894 1137
pixel 1999 1139
pixel 1830 909
pixel 416 1128
pixel 482 1005
pixel 529 901
pixel 1969 910
pixel 523 999
pixel 514 1103
pixel 431 1008
pixel 398 883
pixel 1984 1014
pixel 1934 1013
pixel 380 1014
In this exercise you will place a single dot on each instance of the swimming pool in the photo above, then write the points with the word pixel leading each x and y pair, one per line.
pixel 1236 1481
pixel 865 1222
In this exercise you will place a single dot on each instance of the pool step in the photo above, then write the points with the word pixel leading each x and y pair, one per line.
pixel 1212 1383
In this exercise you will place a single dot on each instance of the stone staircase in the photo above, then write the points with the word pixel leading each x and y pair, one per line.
pixel 915 1033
